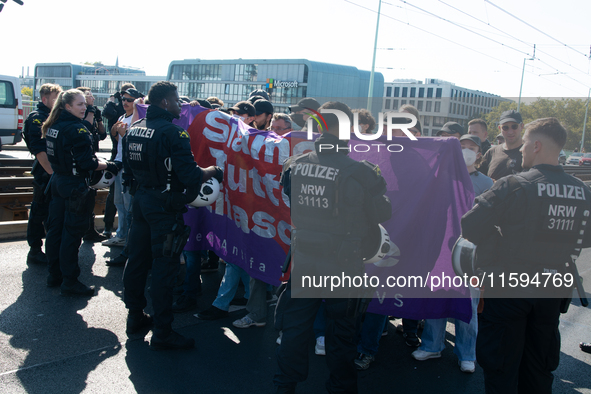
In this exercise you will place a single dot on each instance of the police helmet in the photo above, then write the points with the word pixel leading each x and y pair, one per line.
pixel 101 179
pixel 208 194
pixel 378 245
pixel 463 257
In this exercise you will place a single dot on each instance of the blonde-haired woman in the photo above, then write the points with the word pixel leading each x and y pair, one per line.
pixel 69 150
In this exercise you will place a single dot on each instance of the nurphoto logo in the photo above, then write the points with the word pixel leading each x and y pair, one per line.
pixel 394 121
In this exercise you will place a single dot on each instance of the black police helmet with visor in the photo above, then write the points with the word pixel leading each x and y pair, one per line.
pixel 463 258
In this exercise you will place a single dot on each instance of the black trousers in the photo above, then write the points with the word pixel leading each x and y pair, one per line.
pixel 151 224
pixel 110 209
pixel 67 223
pixel 39 210
pixel 298 316
pixel 518 344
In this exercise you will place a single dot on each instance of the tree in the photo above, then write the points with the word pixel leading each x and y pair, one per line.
pixel 26 91
pixel 570 112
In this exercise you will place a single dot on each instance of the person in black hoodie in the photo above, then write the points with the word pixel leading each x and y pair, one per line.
pixel 41 171
pixel 69 150
pixel 93 121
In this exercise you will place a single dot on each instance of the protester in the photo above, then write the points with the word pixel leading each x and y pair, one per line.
pixel 451 129
pixel 112 111
pixel 281 123
pixel 122 198
pixel 366 121
pixel 215 102
pixel 302 110
pixel 260 92
pixel 264 114
pixel 433 338
pixel 245 111
pixel 505 158
pixel 479 128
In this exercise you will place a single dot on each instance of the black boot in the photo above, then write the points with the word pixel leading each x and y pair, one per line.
pixel 107 232
pixel 54 281
pixel 138 321
pixel 171 340
pixel 77 289
pixel 118 261
pixel 36 256
pixel 93 236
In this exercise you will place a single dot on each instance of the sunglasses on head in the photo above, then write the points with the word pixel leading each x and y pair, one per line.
pixel 514 126
pixel 129 100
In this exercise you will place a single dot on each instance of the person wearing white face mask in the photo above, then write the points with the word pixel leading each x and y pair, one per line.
pixel 471 152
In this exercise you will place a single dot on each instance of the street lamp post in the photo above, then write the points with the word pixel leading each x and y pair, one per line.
pixel 522 73
pixel 373 62
pixel 585 121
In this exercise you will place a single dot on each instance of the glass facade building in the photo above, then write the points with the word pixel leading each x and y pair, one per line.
pixel 287 81
pixel 103 80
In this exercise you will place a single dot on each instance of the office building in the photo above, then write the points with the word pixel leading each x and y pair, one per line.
pixel 438 102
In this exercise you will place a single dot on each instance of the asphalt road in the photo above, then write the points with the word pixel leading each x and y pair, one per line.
pixel 53 344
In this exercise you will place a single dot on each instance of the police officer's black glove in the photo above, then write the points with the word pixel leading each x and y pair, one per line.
pixel 113 167
pixel 91 108
pixel 219 174
pixel 126 181
pixel 98 115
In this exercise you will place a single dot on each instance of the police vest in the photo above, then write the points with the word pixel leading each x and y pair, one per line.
pixel 325 197
pixel 149 158
pixel 557 210
pixel 144 155
pixel 59 140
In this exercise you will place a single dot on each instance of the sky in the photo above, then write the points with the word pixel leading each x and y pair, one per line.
pixel 476 44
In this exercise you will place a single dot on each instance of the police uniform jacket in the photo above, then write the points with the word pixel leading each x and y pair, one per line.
pixel 93 127
pixel 335 201
pixel 530 223
pixel 69 147
pixel 32 130
pixel 154 142
pixel 112 111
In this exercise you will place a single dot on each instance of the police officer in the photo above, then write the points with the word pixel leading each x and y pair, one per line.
pixel 69 150
pixel 159 155
pixel 41 172
pixel 531 223
pixel 335 200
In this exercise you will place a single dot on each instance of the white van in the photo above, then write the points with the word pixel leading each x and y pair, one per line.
pixel 11 111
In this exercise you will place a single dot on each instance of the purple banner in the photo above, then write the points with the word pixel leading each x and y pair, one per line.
pixel 428 185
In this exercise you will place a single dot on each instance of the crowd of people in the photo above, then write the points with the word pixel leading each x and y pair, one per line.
pixel 156 179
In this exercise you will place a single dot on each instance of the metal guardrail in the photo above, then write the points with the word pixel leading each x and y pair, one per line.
pixel 10 162
pixel 14 184
pixel 15 206
pixel 14 171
